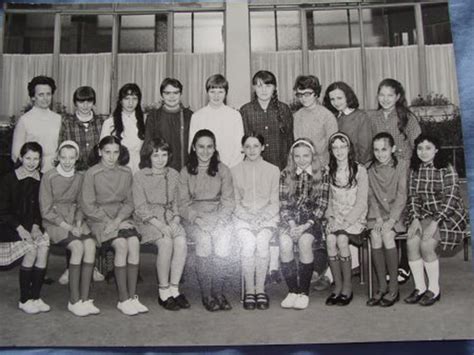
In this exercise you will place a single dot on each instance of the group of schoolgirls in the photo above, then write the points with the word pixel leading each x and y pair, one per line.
pixel 320 200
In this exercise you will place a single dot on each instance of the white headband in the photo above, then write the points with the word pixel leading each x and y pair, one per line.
pixel 70 143
pixel 306 143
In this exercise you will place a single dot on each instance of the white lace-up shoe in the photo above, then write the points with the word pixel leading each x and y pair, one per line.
pixel 138 306
pixel 78 309
pixel 29 307
pixel 289 301
pixel 42 307
pixel 301 302
pixel 127 307
pixel 90 306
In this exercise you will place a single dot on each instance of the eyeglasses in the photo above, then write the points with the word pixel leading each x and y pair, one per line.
pixel 171 92
pixel 306 94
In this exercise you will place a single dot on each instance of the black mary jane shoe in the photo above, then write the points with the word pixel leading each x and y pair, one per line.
pixel 429 299
pixel 210 304
pixel 224 305
pixel 250 302
pixel 390 299
pixel 333 299
pixel 262 301
pixel 414 297
pixel 344 300
pixel 170 304
pixel 182 302
pixel 375 300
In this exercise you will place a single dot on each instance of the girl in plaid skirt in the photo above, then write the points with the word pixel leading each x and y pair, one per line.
pixel 21 232
pixel 436 216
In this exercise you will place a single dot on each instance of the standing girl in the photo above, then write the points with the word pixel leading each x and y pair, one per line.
pixel 304 194
pixel 387 201
pixel 21 233
pixel 155 196
pixel 437 217
pixel 270 117
pixel 128 123
pixel 206 202
pixel 346 213
pixel 342 101
pixel 255 217
pixel 63 220
pixel 107 203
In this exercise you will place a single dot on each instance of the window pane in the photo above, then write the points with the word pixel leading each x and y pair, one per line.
pixel 29 33
pixel 436 24
pixel 182 32
pixel 289 30
pixel 262 31
pixel 86 33
pixel 143 33
pixel 208 32
pixel 333 29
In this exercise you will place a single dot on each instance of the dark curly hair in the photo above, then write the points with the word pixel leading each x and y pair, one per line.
pixel 126 90
pixel 351 98
pixel 439 161
pixel 41 80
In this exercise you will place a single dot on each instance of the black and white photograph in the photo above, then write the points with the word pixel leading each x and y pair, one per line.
pixel 249 172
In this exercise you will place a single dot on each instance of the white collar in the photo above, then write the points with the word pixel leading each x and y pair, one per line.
pixel 308 169
pixel 61 171
pixel 21 173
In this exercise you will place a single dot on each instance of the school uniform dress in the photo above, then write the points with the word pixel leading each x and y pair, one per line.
pixel 19 205
pixel 404 145
pixel 318 124
pixel 173 127
pixel 388 193
pixel 275 124
pixel 356 125
pixel 256 195
pixel 349 203
pixel 226 124
pixel 41 126
pixel 106 195
pixel 155 195
pixel 129 137
pixel 59 202
pixel 434 193
pixel 85 134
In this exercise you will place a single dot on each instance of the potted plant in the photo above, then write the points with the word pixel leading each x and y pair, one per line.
pixel 433 107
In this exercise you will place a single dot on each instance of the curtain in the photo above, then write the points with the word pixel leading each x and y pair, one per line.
pixel 441 68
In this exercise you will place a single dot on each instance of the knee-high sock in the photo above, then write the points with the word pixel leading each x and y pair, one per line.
pixel 432 271
pixel 204 272
pixel 86 278
pixel 380 270
pixel 74 282
pixel 305 272
pixel 404 263
pixel 261 269
pixel 121 280
pixel 68 258
pixel 37 279
pixel 290 274
pixel 132 278
pixel 248 270
pixel 25 283
pixel 346 275
pixel 416 267
pixel 335 265
pixel 391 259
pixel 320 261
pixel 220 275
pixel 274 257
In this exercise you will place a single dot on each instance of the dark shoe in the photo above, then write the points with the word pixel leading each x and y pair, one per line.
pixel 390 299
pixel 224 305
pixel 403 275
pixel 322 283
pixel 262 301
pixel 170 304
pixel 48 280
pixel 182 302
pixel 375 301
pixel 344 300
pixel 210 303
pixel 414 297
pixel 429 299
pixel 249 301
pixel 332 300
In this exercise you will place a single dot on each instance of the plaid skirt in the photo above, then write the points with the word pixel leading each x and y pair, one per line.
pixel 12 251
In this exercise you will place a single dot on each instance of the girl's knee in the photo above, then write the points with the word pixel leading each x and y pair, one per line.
pixel 305 242
pixel 180 244
pixel 342 242
pixel 42 256
pixel 428 248
pixel 263 248
pixel 331 244
pixel 375 240
pixel 77 251
pixel 286 244
pixel 120 247
pixel 165 243
pixel 29 258
pixel 389 240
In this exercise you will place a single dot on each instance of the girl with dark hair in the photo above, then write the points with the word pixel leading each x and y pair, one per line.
pixel 155 196
pixel 128 123
pixel 270 117
pixel 387 201
pixel 256 217
pixel 304 193
pixel 21 231
pixel 346 213
pixel 342 101
pixel 437 217
pixel 206 202
pixel 107 203
pixel 63 220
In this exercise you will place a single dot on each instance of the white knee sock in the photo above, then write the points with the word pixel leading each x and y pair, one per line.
pixel 432 270
pixel 354 256
pixel 274 258
pixel 328 273
pixel 416 267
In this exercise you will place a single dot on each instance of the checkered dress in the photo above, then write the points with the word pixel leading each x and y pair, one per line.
pixel 10 252
pixel 435 193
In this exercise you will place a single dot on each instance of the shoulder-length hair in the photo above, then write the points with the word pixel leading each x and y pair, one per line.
pixel 351 162
pixel 351 98
pixel 30 147
pixel 439 161
pixel 94 157
pixel 126 90
pixel 152 146
pixel 193 161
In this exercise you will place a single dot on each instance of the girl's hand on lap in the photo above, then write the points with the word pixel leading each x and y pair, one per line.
pixel 111 226
pixel 76 231
pixel 387 226
pixel 414 228
pixel 24 234
pixel 378 225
